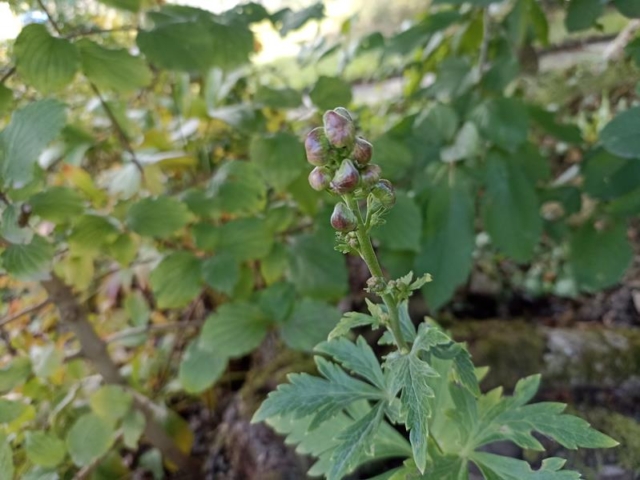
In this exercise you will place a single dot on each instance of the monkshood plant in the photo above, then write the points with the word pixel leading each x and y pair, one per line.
pixel 353 411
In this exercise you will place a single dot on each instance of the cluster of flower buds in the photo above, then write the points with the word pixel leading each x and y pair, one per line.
pixel 342 165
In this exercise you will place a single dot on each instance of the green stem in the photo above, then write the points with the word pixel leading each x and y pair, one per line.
pixel 369 256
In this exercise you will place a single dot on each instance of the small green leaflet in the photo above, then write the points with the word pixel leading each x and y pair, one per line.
pixel 352 320
pixel 410 375
pixel 357 357
pixel 496 467
pixel 322 397
pixel 355 441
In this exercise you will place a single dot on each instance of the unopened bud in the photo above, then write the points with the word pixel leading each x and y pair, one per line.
pixel 362 152
pixel 320 178
pixel 370 175
pixel 317 147
pixel 339 129
pixel 346 178
pixel 344 112
pixel 385 193
pixel 343 219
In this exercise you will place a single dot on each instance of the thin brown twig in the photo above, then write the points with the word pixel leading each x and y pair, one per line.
pixel 122 136
pixel 10 318
pixel 100 31
pixel 50 17
pixel 129 332
pixel 7 75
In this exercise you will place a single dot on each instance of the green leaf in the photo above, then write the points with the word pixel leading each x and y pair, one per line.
pixel 57 204
pixel 6 98
pixel 277 300
pixel 129 5
pixel 113 69
pixel 510 418
pixel 44 449
pixel 200 368
pixel 402 227
pixel 11 410
pixel 245 239
pixel 111 402
pixel 280 158
pixel 234 330
pixel 290 20
pixel 309 323
pixel 92 233
pixel 599 258
pixel 176 280
pixel 28 262
pixel 357 357
pixel 30 130
pixel 628 8
pixel 607 176
pixel 620 135
pixel 221 272
pixel 355 441
pixel 547 120
pixel 449 241
pixel 438 124
pixel 393 156
pixel 14 374
pixel 511 208
pixel 237 188
pixel 503 121
pixel 274 265
pixel 157 217
pixel 466 144
pixel 11 227
pixel 583 14
pixel 330 92
pixel 277 98
pixel 47 63
pixel 46 359
pixel 6 457
pixel 316 269
pixel 351 320
pixel 89 438
pixel 133 425
pixel 412 375
pixel 322 397
pixel 496 467
pixel 196 44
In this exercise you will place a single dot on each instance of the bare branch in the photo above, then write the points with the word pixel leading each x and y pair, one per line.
pixel 7 75
pixel 10 318
pixel 163 327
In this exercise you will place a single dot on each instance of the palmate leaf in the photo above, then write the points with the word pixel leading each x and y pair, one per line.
pixel 511 419
pixel 496 467
pixel 321 397
pixel 352 320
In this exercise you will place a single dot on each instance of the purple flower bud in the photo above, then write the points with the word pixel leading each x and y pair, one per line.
pixel 340 130
pixel 344 112
pixel 370 175
pixel 362 152
pixel 317 147
pixel 346 178
pixel 320 178
pixel 343 219
pixel 385 193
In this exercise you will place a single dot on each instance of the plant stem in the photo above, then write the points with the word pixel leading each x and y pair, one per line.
pixel 369 256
